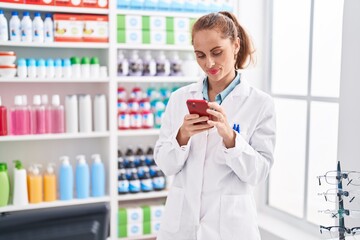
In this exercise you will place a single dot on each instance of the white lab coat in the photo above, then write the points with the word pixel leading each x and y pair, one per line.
pixel 211 195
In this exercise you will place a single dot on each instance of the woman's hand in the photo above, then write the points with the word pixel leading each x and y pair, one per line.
pixel 192 125
pixel 219 121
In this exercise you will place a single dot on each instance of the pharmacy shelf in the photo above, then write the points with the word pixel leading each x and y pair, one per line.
pixel 88 45
pixel 143 196
pixel 58 203
pixel 47 8
pixel 59 136
pixel 157 79
pixel 144 237
pixel 138 133
pixel 54 80
pixel 127 46
pixel 159 13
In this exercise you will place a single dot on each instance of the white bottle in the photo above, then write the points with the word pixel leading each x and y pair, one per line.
pixel 123 64
pixel 66 68
pixel 21 68
pixel 48 28
pixel 4 35
pixel 149 64
pixel 40 68
pixel 100 118
pixel 31 68
pixel 15 30
pixel 50 70
pixel 85 113
pixel 26 28
pixel 38 28
pixel 162 65
pixel 20 194
pixel 71 114
pixel 58 68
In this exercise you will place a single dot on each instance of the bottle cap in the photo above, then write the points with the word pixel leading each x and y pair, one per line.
pixel 24 100
pixel 81 159
pixel 96 158
pixel 18 100
pixel 30 62
pixel 37 14
pixel 94 60
pixel 36 169
pixel 75 60
pixel 49 62
pixel 18 164
pixel 50 168
pixel 37 100
pixel 0 101
pixel 65 160
pixel 40 62
pixel 147 55
pixel 3 167
pixel 21 62
pixel 161 56
pixel 26 14
pixel 66 62
pixel 58 62
pixel 55 100
pixel 48 15
pixel 85 60
pixel 44 99
pixel 14 13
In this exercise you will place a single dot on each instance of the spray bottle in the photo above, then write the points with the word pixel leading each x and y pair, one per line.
pixel 49 183
pixel 20 185
pixel 66 181
pixel 97 177
pixel 82 176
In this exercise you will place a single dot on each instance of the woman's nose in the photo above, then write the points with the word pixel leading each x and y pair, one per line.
pixel 209 62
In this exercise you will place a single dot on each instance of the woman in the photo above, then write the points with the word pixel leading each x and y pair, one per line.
pixel 216 163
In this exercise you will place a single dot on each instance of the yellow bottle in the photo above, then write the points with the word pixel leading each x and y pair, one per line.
pixel 49 184
pixel 35 184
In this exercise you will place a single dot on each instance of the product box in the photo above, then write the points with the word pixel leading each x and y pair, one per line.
pixel 13 1
pixel 40 2
pixel 127 216
pixel 68 28
pixel 154 37
pixel 68 3
pixel 151 227
pixel 130 230
pixel 133 22
pixel 95 3
pixel 178 38
pixel 129 36
pixel 96 28
pixel 181 24
pixel 157 23
pixel 153 212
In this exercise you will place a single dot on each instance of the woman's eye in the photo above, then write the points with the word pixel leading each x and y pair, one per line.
pixel 217 53
pixel 200 56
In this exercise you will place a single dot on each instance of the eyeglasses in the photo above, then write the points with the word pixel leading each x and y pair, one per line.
pixel 332 195
pixel 335 231
pixel 333 177
pixel 341 213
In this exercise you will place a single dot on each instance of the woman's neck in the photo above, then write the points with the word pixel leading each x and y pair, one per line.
pixel 219 86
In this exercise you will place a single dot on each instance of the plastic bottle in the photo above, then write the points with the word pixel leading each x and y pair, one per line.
pixel 129 156
pixel 162 65
pixel 4 32
pixel 75 67
pixel 57 117
pixel 100 116
pixel 122 64
pixel 3 120
pixel 40 68
pixel 21 68
pixel 20 117
pixel 58 68
pixel 175 65
pixel 48 28
pixel 66 68
pixel 31 68
pixel 37 116
pixel 38 28
pixel 85 113
pixel 121 164
pixel 123 183
pixel 50 69
pixel 4 185
pixel 26 28
pixel 94 67
pixel 146 182
pixel 66 179
pixel 71 114
pixel 134 182
pixel 149 157
pixel 50 183
pixel 20 192
pixel 149 65
pixel 135 64
pixel 35 184
pixel 82 176
pixel 159 182
pixel 97 177
pixel 14 25
pixel 85 68
pixel 45 103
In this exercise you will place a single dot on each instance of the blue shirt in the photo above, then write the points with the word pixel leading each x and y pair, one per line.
pixel 223 94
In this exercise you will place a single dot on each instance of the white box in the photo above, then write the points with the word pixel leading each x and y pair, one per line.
pixel 181 24
pixel 181 38
pixel 135 215
pixel 133 36
pixel 134 229
pixel 157 23
pixel 158 37
pixel 157 211
pixel 133 22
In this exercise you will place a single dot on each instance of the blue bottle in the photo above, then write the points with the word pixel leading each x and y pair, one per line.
pixel 123 183
pixel 66 179
pixel 82 176
pixel 97 177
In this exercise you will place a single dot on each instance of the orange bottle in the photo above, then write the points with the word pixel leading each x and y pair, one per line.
pixel 50 184
pixel 35 184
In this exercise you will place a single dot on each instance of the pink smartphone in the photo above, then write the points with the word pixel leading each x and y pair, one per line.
pixel 197 106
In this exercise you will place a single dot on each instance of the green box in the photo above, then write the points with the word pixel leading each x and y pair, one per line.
pixel 122 231
pixel 121 37
pixel 146 22
pixel 120 21
pixel 122 217
pixel 170 37
pixel 169 23
pixel 146 37
pixel 147 213
pixel 146 228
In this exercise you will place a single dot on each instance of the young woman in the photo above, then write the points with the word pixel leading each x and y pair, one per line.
pixel 216 163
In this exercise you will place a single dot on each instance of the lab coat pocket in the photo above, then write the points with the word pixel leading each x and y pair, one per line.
pixel 173 208
pixel 238 218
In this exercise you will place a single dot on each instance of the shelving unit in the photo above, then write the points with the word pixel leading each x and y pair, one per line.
pixel 45 137
pixel 143 196
pixel 181 79
pixel 54 80
pixel 84 45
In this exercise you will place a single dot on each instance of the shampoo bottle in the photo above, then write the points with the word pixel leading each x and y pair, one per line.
pixel 3 120
pixel 97 177
pixel 82 176
pixel 20 193
pixel 66 181
pixel 35 184
pixel 37 116
pixel 49 184
pixel 4 185
pixel 57 115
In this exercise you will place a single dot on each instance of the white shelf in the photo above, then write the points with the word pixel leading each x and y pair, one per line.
pixel 139 132
pixel 89 45
pixel 57 203
pixel 159 13
pixel 54 80
pixel 47 8
pixel 144 237
pixel 143 196
pixel 157 79
pixel 13 138
pixel 155 47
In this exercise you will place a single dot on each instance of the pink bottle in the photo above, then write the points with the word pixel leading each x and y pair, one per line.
pixel 20 117
pixel 3 120
pixel 45 103
pixel 57 115
pixel 37 116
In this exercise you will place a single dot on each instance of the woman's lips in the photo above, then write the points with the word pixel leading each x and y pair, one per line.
pixel 213 71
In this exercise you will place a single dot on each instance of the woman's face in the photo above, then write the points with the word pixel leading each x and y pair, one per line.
pixel 215 55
